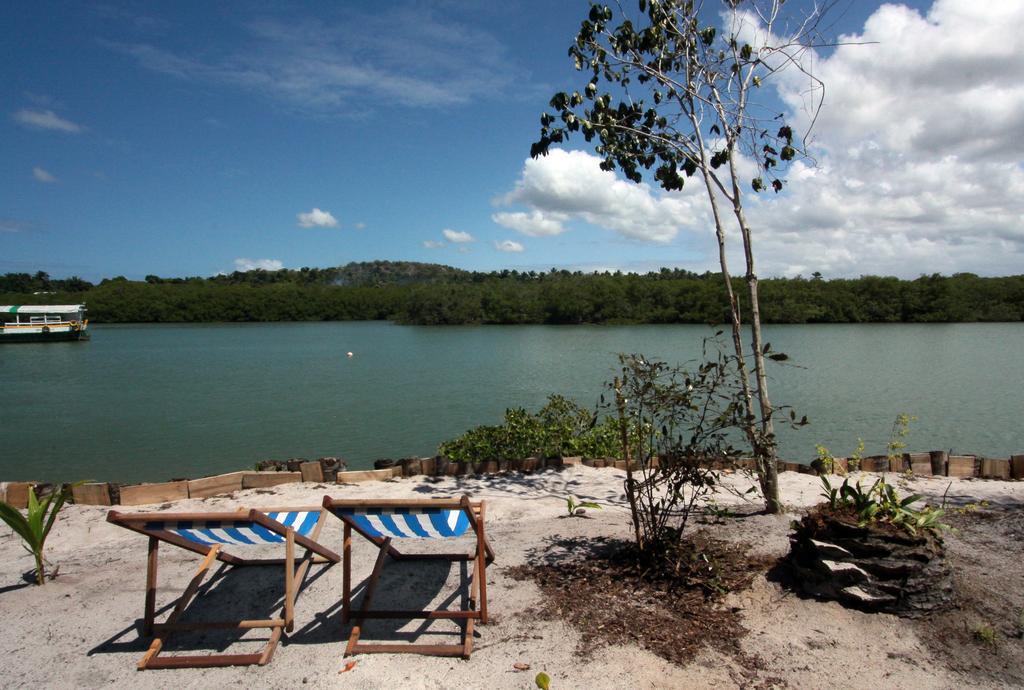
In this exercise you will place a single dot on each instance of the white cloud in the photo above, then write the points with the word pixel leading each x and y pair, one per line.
pixel 353 61
pixel 254 264
pixel 45 119
pixel 508 246
pixel 920 147
pixel 432 244
pixel 359 226
pixel 317 219
pixel 43 175
pixel 535 224
pixel 570 184
pixel 920 150
pixel 456 236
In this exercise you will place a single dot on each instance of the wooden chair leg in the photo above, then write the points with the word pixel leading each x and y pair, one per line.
pixel 289 579
pixel 179 608
pixel 371 586
pixel 481 565
pixel 150 607
pixel 346 574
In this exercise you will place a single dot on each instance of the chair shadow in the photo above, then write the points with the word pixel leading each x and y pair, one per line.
pixel 408 585
pixel 230 593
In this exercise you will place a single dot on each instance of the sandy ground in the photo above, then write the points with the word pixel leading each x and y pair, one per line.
pixel 82 629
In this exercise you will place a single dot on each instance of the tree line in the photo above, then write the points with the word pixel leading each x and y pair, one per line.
pixel 427 294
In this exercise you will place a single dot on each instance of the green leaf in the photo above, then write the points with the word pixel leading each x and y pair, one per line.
pixel 16 521
pixel 543 681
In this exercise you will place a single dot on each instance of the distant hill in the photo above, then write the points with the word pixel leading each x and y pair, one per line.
pixel 354 274
pixel 368 273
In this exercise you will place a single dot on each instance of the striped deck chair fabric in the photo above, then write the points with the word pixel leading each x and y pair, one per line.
pixel 239 532
pixel 401 523
pixel 211 535
pixel 380 522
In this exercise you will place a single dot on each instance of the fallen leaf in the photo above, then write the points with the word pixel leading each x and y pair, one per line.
pixel 521 667
pixel 348 667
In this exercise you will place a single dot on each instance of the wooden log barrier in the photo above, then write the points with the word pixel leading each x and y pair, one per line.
pixel 1017 466
pixel 218 485
pixel 995 468
pixel 91 494
pixel 961 466
pixel 311 471
pixel 940 462
pixel 141 494
pixel 266 480
pixel 919 463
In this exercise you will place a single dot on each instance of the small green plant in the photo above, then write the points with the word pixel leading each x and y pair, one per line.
pixel 985 634
pixel 825 463
pixel 716 511
pixel 881 503
pixel 856 456
pixel 900 430
pixel 576 507
pixel 35 525
pixel 543 681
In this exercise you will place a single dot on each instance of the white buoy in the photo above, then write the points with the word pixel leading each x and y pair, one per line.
pixel 349 354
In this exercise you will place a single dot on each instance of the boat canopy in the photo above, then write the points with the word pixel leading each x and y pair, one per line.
pixel 42 309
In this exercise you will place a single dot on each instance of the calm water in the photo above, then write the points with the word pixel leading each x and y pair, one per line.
pixel 154 402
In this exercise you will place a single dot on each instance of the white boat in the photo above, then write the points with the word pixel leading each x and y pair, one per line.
pixel 42 322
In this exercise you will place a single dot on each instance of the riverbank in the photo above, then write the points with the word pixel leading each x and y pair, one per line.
pixel 80 630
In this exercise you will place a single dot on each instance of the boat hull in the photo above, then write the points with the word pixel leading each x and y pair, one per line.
pixel 40 337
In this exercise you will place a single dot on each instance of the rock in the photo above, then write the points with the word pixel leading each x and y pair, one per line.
pixel 876 567
pixel 840 572
pixel 865 598
pixel 830 550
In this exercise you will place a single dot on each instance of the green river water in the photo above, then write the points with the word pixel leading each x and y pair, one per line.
pixel 152 402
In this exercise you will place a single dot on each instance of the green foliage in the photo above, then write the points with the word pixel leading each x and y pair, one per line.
pixel 856 456
pixel 543 681
pixel 682 91
pixel 985 634
pixel 574 506
pixel 560 428
pixel 428 295
pixel 900 430
pixel 825 462
pixel 881 503
pixel 684 419
pixel 34 526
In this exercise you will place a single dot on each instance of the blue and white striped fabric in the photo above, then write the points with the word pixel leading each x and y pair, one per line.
pixel 431 523
pixel 239 532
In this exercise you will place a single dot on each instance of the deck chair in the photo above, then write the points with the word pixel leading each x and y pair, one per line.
pixel 208 534
pixel 382 521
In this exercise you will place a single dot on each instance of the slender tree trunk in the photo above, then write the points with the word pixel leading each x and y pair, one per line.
pixel 767 471
pixel 766 455
pixel 620 405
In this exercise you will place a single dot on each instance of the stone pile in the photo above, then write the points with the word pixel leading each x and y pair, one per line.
pixel 877 567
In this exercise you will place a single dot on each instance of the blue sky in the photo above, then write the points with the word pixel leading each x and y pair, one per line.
pixel 191 138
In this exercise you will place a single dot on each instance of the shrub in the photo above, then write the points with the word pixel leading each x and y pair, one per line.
pixel 561 427
pixel 686 420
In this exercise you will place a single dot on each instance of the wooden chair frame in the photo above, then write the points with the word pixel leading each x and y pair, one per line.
pixel 293 577
pixel 481 557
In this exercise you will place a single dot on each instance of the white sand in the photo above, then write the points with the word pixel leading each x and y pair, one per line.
pixel 81 630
